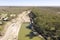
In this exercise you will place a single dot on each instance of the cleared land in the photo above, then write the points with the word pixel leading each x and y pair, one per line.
pixel 8 12
pixel 13 28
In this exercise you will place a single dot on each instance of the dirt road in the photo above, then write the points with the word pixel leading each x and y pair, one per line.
pixel 12 30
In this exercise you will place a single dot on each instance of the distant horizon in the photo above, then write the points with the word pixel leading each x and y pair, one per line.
pixel 29 2
pixel 29 6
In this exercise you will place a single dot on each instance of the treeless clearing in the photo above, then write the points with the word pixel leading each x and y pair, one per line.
pixel 13 29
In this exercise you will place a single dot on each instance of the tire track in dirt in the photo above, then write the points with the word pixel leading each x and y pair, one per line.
pixel 15 25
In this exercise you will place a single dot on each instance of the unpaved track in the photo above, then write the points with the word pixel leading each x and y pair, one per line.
pixel 12 30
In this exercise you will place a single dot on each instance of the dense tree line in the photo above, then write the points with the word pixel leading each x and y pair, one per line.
pixel 46 23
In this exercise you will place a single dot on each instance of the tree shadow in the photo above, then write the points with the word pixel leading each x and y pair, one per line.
pixel 29 27
pixel 31 34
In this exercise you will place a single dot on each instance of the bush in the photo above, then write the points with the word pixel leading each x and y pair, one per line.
pixel 48 22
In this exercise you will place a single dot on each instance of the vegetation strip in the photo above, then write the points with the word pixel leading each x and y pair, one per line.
pixel 24 31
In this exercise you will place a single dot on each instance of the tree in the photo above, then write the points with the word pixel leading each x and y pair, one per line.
pixel 46 23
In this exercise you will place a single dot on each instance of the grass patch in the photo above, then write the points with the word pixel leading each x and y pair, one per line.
pixel 25 31
pixel 1 28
